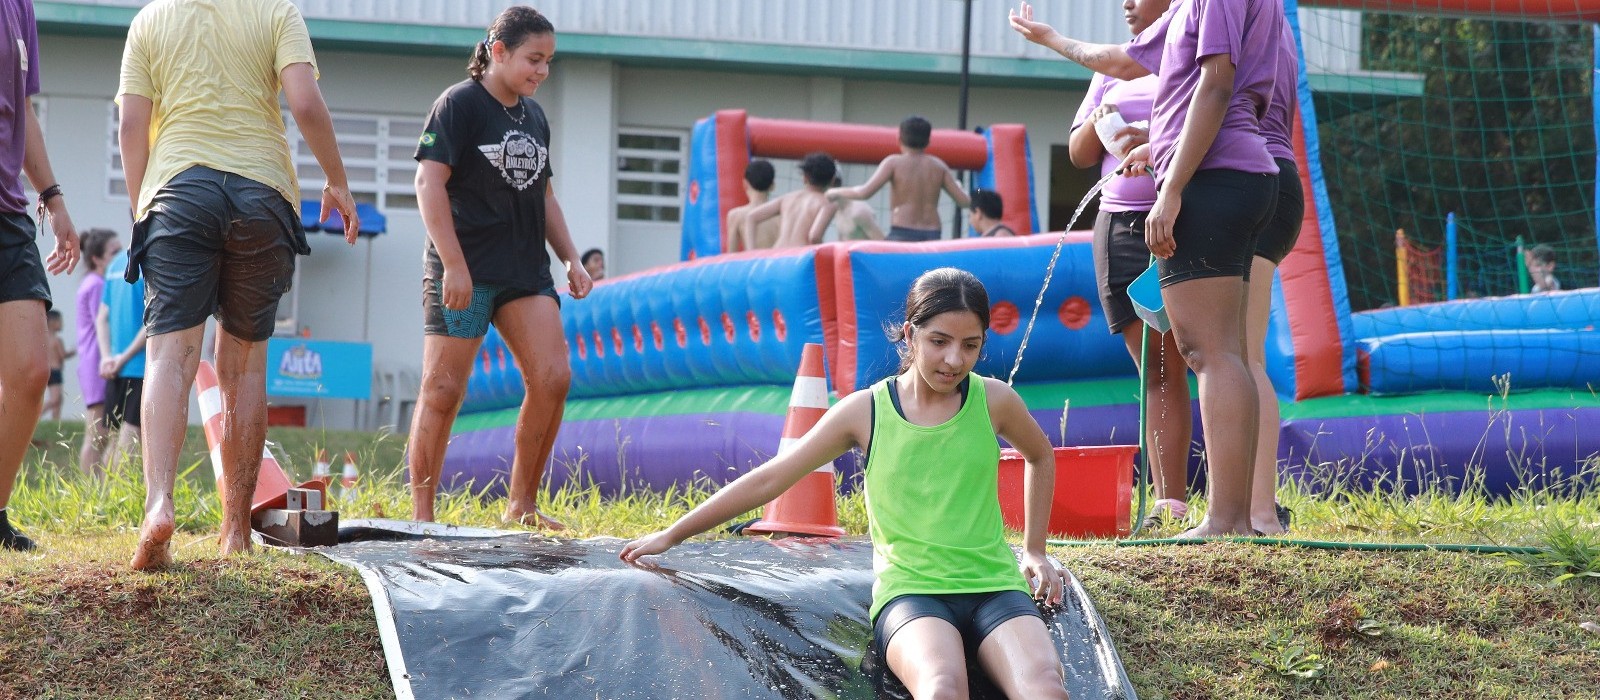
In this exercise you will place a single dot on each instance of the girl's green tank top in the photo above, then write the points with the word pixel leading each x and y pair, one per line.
pixel 933 505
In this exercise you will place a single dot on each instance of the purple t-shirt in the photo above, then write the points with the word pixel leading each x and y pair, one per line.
pixel 1279 119
pixel 1133 99
pixel 19 80
pixel 1248 32
pixel 89 379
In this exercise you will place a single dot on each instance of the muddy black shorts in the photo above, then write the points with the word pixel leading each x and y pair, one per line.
pixel 473 321
pixel 1222 212
pixel 1283 227
pixel 123 395
pixel 215 243
pixel 22 275
pixel 1120 256
pixel 975 615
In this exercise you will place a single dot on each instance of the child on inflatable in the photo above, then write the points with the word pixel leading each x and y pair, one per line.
pixel 947 584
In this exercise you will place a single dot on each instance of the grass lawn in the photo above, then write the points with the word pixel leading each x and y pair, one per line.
pixel 1220 620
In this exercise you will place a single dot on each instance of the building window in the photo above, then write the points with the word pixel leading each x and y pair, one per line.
pixel 650 174
pixel 376 150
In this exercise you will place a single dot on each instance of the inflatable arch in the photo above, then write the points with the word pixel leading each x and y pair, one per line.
pixel 722 144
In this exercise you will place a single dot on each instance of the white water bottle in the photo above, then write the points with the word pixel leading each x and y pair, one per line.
pixel 1107 127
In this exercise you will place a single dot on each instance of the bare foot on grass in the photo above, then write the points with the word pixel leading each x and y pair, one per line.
pixel 534 518
pixel 153 553
pixel 1268 528
pixel 234 542
pixel 1206 530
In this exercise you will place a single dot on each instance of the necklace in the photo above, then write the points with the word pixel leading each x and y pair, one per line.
pixel 518 119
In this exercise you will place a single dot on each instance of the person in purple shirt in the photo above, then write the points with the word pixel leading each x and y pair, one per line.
pixel 24 290
pixel 100 246
pixel 1120 255
pixel 1216 184
pixel 1272 246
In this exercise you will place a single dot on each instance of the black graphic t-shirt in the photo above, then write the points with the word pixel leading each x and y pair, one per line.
pixel 500 166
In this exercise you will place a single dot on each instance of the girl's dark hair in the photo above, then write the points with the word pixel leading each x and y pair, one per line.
pixel 940 291
pixel 93 243
pixel 512 27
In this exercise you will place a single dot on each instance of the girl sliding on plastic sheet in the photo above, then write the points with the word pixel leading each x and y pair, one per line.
pixel 947 583
pixel 485 194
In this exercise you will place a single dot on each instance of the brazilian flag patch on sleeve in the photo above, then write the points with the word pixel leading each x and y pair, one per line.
pixel 427 139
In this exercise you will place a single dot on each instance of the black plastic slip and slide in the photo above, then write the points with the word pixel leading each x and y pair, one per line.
pixel 491 613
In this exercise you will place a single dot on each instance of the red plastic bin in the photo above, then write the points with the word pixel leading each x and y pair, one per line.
pixel 1093 494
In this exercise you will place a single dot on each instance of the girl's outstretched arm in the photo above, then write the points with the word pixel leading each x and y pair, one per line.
pixel 844 426
pixel 1013 422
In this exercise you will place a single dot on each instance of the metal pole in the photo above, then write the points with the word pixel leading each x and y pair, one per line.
pixel 1452 286
pixel 1522 268
pixel 961 111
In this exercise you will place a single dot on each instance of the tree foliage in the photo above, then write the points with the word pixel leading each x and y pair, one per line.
pixel 1503 136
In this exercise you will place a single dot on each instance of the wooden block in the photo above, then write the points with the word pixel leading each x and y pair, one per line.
pixel 298 528
pixel 304 499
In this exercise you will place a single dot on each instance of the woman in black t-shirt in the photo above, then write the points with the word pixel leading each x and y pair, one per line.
pixel 483 189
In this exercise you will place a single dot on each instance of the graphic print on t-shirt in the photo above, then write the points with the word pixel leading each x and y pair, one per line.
pixel 519 157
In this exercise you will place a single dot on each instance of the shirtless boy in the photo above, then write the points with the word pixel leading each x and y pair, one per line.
pixel 917 179
pixel 804 214
pixel 758 177
pixel 855 220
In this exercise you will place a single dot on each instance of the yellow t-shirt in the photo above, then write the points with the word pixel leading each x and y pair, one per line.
pixel 211 68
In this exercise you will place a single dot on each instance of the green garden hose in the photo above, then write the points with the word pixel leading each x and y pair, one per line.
pixel 1310 544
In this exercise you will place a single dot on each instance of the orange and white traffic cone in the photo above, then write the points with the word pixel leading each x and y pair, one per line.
pixel 348 479
pixel 272 484
pixel 320 471
pixel 807 508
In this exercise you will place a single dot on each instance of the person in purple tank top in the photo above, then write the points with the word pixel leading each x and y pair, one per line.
pixel 1217 61
pixel 100 246
pixel 1120 255
pixel 1272 246
pixel 24 289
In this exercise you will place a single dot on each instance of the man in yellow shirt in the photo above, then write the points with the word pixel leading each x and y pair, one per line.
pixel 217 224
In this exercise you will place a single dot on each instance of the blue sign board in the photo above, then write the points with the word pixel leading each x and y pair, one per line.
pixel 319 368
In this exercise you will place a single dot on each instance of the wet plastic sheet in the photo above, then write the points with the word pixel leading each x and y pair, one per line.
pixel 464 613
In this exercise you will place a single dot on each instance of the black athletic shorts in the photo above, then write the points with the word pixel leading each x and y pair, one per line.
pixel 1283 227
pixel 975 615
pixel 123 395
pixel 912 235
pixel 55 378
pixel 22 275
pixel 1120 256
pixel 1215 233
pixel 473 321
pixel 214 242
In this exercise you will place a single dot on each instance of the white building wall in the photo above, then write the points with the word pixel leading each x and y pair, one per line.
pixel 581 101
